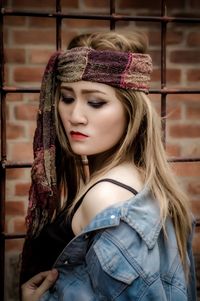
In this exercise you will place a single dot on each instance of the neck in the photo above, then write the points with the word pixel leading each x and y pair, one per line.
pixel 98 162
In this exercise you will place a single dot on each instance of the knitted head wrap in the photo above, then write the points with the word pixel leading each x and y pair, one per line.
pixel 118 69
pixel 124 70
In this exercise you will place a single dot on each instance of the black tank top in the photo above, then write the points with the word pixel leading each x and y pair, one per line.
pixel 56 235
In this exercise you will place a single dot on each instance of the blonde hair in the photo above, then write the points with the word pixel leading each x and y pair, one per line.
pixel 141 144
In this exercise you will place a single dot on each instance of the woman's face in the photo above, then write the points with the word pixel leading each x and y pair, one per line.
pixel 93 117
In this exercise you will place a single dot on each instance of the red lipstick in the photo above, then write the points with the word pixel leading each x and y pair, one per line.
pixel 77 135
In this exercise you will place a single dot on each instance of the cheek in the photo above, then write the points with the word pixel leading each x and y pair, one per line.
pixel 113 126
pixel 63 115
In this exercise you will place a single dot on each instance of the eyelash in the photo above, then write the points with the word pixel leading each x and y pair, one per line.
pixel 67 100
pixel 94 104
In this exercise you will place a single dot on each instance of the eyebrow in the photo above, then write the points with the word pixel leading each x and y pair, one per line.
pixel 84 91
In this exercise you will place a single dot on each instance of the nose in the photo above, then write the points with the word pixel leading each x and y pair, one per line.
pixel 77 114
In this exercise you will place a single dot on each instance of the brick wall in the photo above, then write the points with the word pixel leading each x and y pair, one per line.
pixel 29 41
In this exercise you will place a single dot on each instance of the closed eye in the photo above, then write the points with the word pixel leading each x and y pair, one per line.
pixel 96 104
pixel 67 99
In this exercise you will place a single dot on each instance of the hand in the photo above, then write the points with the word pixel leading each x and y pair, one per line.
pixel 33 289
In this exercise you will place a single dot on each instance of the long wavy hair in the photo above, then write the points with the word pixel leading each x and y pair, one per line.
pixel 140 144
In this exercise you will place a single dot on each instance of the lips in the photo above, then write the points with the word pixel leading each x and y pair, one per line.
pixel 77 135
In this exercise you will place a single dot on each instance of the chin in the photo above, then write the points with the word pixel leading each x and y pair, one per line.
pixel 84 153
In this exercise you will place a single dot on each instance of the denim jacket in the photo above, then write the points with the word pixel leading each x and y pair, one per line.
pixel 123 254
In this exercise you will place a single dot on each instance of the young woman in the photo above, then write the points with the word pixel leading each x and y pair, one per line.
pixel 105 210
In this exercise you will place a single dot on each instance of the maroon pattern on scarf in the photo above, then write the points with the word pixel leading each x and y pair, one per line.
pixel 43 191
pixel 124 70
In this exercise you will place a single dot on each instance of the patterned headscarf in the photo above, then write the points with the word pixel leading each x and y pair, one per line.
pixel 119 69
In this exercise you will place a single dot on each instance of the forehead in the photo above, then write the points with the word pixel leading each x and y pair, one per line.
pixel 90 87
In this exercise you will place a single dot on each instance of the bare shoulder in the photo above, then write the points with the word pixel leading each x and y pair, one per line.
pixel 105 194
pixel 100 197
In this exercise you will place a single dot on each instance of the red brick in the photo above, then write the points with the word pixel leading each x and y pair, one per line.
pixel 15 173
pixel 173 150
pixel 145 4
pixel 41 22
pixel 184 131
pixel 26 112
pixel 193 112
pixel 14 97
pixel 191 149
pixel 5 36
pixel 193 75
pixel 186 169
pixel 196 242
pixel 155 98
pixel 6 75
pixel 173 76
pixel 34 37
pixel 14 245
pixel 155 54
pixel 67 36
pixel 33 4
pixel 154 37
pixel 194 188
pixel 19 225
pixel 184 98
pixel 14 131
pixel 39 56
pixel 84 23
pixel 122 25
pixel 126 4
pixel 31 129
pixel 174 37
pixel 14 21
pixel 193 39
pixel 33 97
pixel 174 111
pixel 185 56
pixel 15 208
pixel 195 206
pixel 28 74
pixel 22 189
pixel 155 76
pixel 21 151
pixel 46 4
pixel 70 3
pixel 96 3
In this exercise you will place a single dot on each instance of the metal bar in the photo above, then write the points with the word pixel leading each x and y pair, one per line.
pixel 184 159
pixel 58 25
pixel 13 235
pixel 6 165
pixel 115 17
pixel 3 126
pixel 7 89
pixel 112 13
pixel 174 91
pixel 163 71
pixel 165 90
pixel 10 165
pixel 3 157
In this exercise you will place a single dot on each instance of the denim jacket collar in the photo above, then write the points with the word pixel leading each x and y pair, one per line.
pixel 140 212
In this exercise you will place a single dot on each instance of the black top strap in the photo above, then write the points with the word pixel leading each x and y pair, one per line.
pixel 103 180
